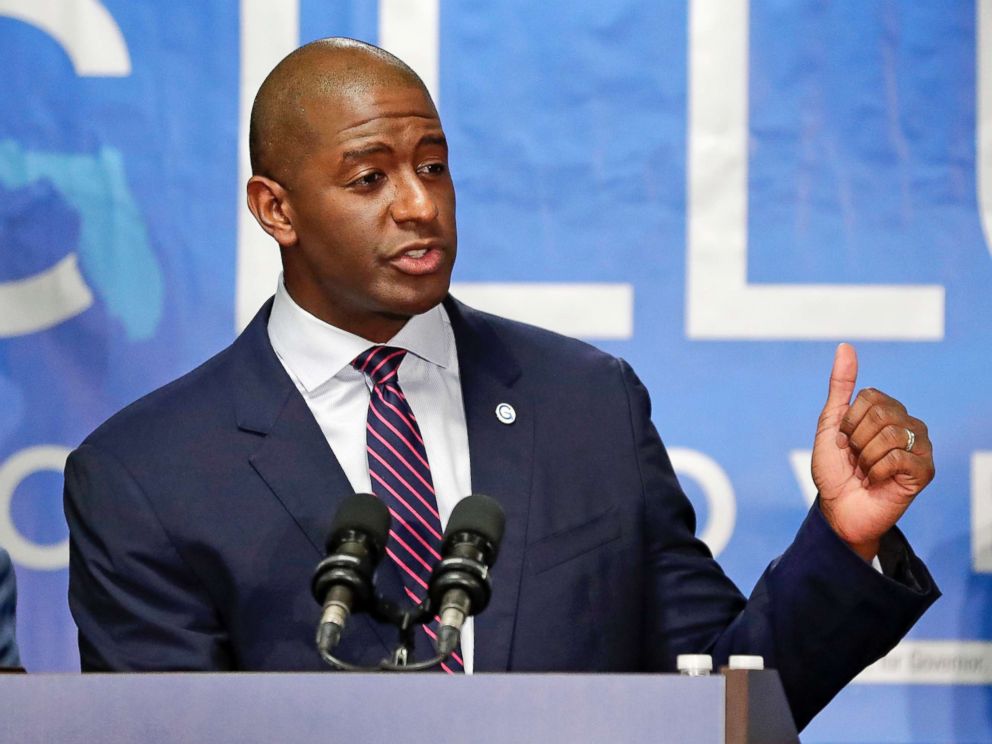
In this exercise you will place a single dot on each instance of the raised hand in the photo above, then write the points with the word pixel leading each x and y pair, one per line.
pixel 870 458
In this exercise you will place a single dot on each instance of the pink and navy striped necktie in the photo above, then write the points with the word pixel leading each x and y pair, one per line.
pixel 401 477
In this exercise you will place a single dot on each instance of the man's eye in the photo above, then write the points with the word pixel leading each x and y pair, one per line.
pixel 368 179
pixel 434 169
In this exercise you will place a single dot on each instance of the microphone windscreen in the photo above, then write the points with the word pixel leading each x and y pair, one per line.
pixel 361 512
pixel 479 514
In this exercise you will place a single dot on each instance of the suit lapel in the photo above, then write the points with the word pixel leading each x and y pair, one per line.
pixel 501 463
pixel 293 457
pixel 298 467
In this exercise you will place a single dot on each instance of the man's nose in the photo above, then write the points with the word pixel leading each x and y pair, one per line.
pixel 413 201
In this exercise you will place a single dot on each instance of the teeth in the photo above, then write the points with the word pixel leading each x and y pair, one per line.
pixel 417 253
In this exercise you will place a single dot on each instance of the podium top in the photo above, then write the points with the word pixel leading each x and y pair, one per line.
pixel 483 708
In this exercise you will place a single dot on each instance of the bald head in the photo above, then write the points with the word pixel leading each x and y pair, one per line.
pixel 281 132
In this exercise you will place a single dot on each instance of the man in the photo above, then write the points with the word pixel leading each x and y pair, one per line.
pixel 197 514
pixel 8 605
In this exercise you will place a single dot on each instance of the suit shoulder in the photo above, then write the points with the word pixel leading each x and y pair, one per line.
pixel 198 393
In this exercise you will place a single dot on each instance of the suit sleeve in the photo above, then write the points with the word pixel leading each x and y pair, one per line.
pixel 8 602
pixel 136 603
pixel 817 595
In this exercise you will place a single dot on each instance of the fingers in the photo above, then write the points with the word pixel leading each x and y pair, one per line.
pixel 891 437
pixel 910 470
pixel 843 377
pixel 877 428
pixel 870 411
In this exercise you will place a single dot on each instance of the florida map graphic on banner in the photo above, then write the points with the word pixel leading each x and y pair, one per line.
pixel 719 192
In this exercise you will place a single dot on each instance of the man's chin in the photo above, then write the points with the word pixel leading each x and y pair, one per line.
pixel 422 298
pixel 419 306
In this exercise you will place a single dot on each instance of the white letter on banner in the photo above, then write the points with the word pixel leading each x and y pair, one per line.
pixel 85 30
pixel 594 310
pixel 409 29
pixel 269 31
pixel 44 299
pixel 93 41
pixel 801 461
pixel 720 502
pixel 18 467
pixel 984 115
pixel 720 304
pixel 981 512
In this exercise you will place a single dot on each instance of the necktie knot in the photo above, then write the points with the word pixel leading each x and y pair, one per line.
pixel 379 363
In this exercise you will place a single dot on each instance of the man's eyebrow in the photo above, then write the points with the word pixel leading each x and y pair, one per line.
pixel 434 139
pixel 376 148
pixel 373 149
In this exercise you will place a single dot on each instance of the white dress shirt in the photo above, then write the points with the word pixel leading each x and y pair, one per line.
pixel 317 356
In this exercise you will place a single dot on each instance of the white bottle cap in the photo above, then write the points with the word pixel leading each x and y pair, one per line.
pixel 694 663
pixel 747 662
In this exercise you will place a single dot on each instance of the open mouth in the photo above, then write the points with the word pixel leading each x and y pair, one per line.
pixel 419 261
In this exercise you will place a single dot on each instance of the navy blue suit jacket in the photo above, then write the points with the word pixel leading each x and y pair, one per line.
pixel 198 513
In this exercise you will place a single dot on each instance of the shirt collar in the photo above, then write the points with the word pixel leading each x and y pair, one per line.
pixel 316 351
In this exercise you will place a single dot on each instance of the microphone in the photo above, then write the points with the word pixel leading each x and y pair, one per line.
pixel 342 582
pixel 460 584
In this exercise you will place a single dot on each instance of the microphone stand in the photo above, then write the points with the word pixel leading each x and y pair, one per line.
pixel 459 586
pixel 406 622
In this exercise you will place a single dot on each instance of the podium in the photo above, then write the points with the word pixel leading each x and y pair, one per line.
pixel 737 707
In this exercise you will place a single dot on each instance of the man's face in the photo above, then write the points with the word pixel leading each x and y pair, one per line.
pixel 372 207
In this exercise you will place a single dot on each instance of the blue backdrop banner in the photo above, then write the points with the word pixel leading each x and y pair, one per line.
pixel 718 192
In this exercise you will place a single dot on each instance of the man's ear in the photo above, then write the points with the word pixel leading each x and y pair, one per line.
pixel 267 201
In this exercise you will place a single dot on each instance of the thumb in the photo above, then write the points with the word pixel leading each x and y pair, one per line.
pixel 843 377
